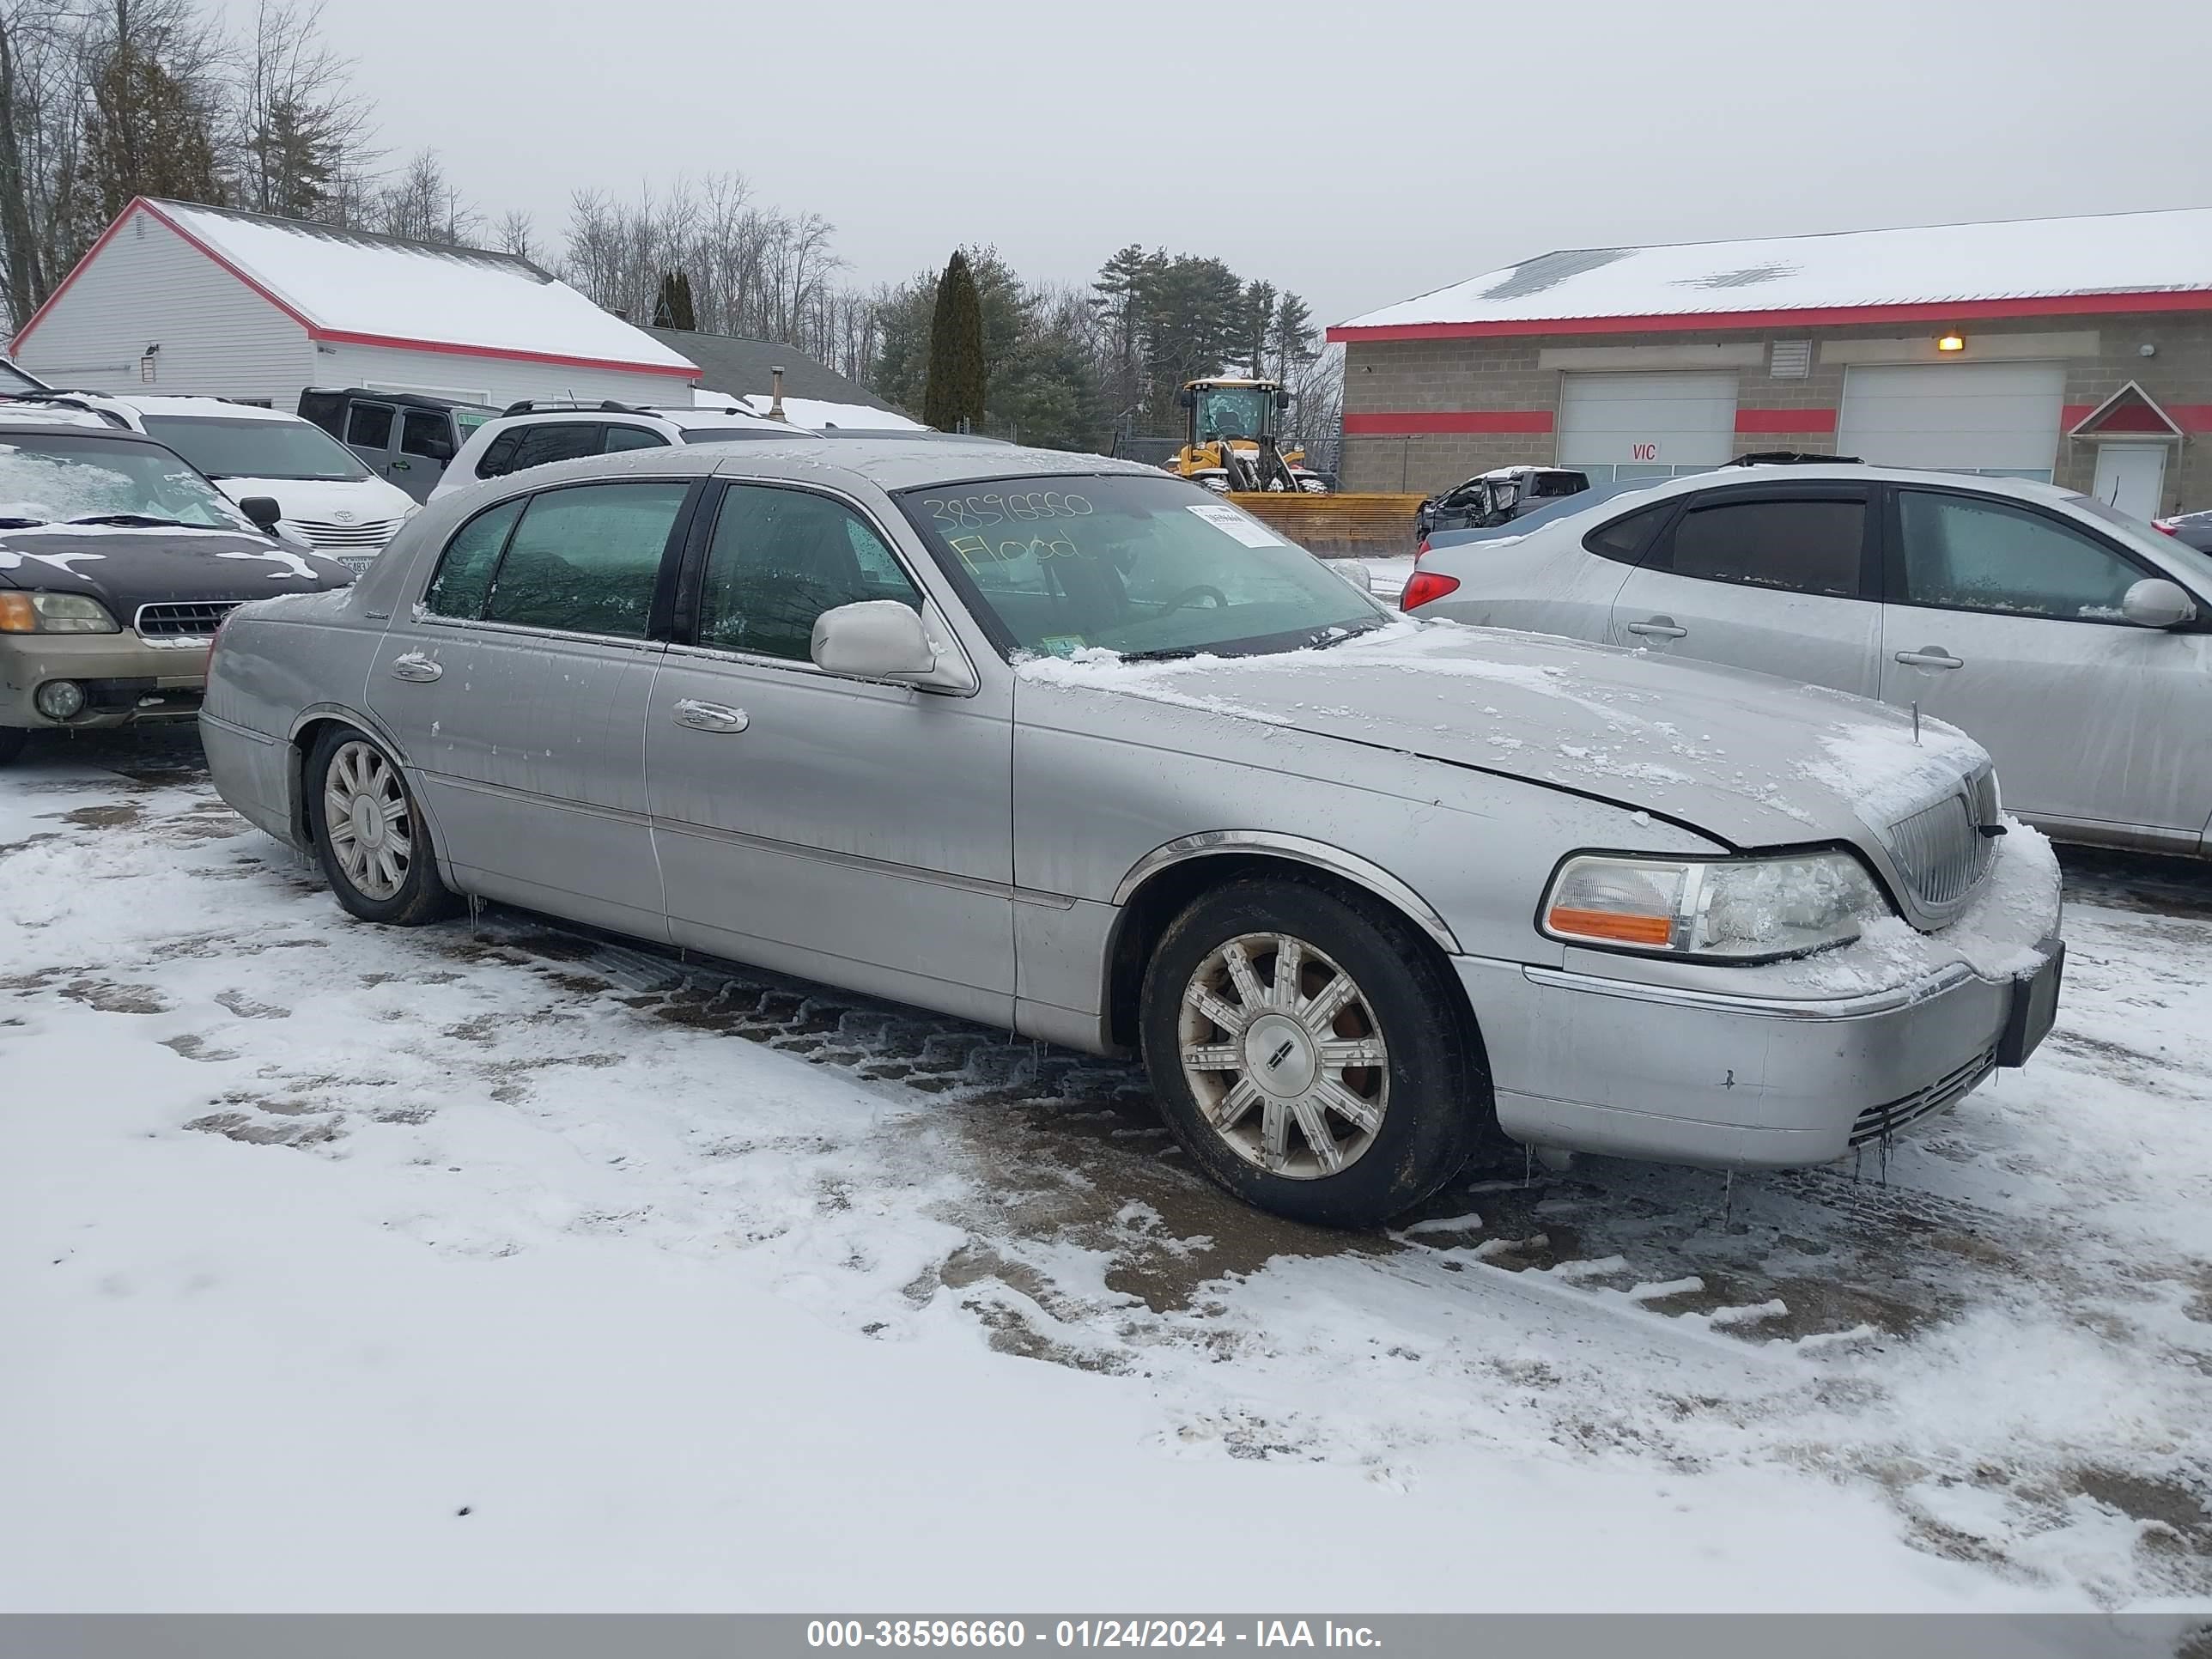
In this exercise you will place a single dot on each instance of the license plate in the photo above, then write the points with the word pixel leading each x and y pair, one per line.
pixel 2035 1007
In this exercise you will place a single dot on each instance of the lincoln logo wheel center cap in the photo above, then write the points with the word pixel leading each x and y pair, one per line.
pixel 1279 1055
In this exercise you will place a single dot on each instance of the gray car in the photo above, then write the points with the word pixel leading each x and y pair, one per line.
pixel 1057 743
pixel 2073 641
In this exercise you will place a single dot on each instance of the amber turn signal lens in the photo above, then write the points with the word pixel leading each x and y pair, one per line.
pixel 1614 926
pixel 17 614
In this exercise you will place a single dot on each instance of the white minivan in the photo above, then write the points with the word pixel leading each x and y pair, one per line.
pixel 331 503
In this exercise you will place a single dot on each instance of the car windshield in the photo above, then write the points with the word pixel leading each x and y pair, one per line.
pixel 1145 567
pixel 226 447
pixel 2197 564
pixel 62 478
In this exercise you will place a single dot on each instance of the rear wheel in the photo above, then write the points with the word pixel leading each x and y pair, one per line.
pixel 12 739
pixel 1308 1052
pixel 375 848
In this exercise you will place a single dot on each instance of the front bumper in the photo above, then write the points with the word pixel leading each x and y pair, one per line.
pixel 1636 1070
pixel 125 678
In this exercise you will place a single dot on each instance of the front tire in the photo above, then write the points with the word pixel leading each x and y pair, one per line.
pixel 12 739
pixel 369 836
pixel 1310 1053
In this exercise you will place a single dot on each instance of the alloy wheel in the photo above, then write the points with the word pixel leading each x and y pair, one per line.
pixel 366 816
pixel 1285 1056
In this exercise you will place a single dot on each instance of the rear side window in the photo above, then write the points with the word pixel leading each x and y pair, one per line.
pixel 586 560
pixel 538 446
pixel 1624 539
pixel 465 568
pixel 620 438
pixel 1806 547
pixel 369 425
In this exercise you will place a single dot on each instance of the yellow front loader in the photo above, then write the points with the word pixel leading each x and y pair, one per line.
pixel 1230 444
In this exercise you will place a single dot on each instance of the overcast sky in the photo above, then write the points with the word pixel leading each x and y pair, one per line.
pixel 1358 153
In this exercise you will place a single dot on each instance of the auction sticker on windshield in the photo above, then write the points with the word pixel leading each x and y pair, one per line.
pixel 1249 530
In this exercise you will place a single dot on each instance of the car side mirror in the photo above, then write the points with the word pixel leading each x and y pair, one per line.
pixel 882 640
pixel 266 510
pixel 440 450
pixel 2155 602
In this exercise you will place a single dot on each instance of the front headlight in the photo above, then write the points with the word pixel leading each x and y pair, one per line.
pixel 1751 909
pixel 54 613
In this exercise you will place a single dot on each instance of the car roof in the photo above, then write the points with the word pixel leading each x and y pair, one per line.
pixel 892 462
pixel 2025 489
pixel 79 429
pixel 217 409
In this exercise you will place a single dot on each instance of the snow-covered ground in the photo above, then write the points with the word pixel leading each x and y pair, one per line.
pixel 490 1266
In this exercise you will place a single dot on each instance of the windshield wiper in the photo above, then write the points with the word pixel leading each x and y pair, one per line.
pixel 132 520
pixel 20 523
pixel 1337 633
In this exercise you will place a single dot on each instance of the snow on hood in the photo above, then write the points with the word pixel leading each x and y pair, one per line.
pixel 1750 759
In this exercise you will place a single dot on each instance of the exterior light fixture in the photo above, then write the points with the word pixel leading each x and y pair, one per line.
pixel 1951 342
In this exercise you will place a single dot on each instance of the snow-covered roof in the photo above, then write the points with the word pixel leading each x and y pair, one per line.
pixel 347 285
pixel 815 414
pixel 2011 265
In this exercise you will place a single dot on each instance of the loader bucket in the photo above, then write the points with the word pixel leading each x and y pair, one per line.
pixel 1337 526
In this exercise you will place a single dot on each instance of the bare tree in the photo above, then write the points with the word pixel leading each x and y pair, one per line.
pixel 423 205
pixel 300 129
pixel 516 233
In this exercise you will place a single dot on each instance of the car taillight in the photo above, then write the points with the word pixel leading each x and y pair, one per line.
pixel 1421 551
pixel 1426 585
pixel 2166 525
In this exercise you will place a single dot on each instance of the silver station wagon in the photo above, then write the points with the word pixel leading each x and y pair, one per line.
pixel 1061 743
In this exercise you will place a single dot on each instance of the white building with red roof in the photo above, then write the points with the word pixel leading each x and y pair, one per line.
pixel 176 297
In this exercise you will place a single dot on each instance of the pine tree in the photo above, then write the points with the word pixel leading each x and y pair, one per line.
pixel 144 135
pixel 952 400
pixel 673 309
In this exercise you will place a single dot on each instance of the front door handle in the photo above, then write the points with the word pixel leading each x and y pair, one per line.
pixel 710 716
pixel 416 667
pixel 1659 628
pixel 1930 656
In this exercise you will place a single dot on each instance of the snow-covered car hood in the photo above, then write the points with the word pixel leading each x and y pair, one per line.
pixel 126 568
pixel 1746 758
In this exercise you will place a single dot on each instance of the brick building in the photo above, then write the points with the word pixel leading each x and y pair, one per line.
pixel 2076 350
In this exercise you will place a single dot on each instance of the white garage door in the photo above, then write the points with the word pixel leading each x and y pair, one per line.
pixel 1954 418
pixel 1646 424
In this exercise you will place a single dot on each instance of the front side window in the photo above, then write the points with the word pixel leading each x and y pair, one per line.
pixel 1805 546
pixel 369 425
pixel 1145 567
pixel 586 560
pixel 91 480
pixel 422 432
pixel 1967 554
pixel 227 448
pixel 464 577
pixel 781 557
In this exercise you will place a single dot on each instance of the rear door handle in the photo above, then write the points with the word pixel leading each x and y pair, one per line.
pixel 1659 628
pixel 710 716
pixel 1932 656
pixel 416 667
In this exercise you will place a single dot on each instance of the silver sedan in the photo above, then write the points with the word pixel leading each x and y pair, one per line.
pixel 1061 744
pixel 2074 642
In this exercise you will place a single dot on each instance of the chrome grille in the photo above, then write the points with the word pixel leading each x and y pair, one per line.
pixel 1940 850
pixel 322 533
pixel 183 619
pixel 1880 1123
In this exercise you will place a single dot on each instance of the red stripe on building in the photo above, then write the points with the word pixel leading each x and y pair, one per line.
pixel 1392 423
pixel 1953 313
pixel 1785 420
